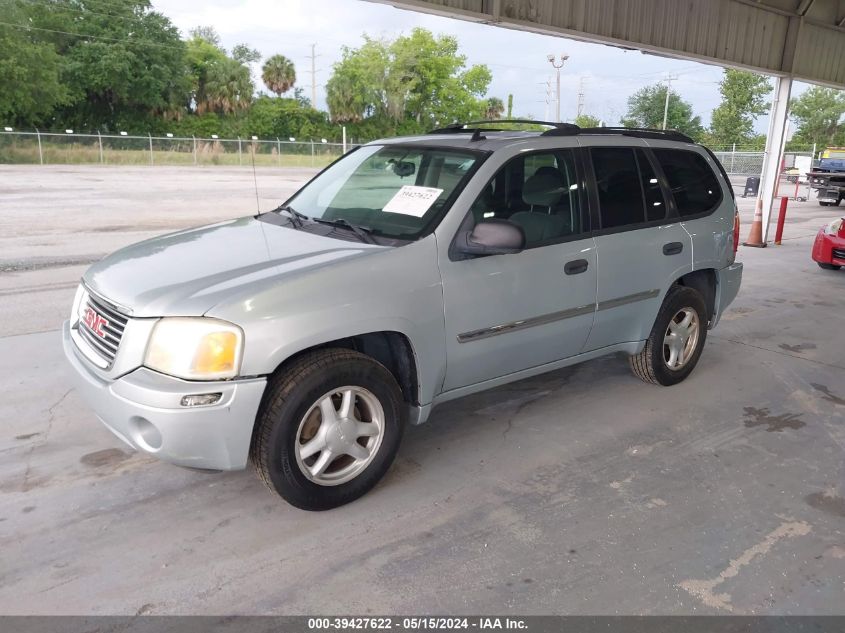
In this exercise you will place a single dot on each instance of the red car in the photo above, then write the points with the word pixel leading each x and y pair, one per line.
pixel 829 247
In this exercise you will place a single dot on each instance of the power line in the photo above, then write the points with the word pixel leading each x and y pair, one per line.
pixel 26 27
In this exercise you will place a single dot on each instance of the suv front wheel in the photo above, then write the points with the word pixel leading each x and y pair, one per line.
pixel 676 340
pixel 328 429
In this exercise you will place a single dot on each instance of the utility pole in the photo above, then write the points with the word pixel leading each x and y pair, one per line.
pixel 580 108
pixel 554 62
pixel 313 57
pixel 669 81
pixel 548 100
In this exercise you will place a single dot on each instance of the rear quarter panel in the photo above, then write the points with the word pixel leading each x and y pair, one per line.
pixel 712 235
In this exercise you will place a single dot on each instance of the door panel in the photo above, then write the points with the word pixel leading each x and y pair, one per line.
pixel 641 246
pixel 633 276
pixel 511 312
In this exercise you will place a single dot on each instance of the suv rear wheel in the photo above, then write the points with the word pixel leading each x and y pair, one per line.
pixel 676 340
pixel 328 429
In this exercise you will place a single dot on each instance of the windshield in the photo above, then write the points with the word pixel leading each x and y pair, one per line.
pixel 393 191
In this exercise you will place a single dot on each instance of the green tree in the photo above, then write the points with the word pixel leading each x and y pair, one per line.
pixel 587 120
pixel 645 109
pixel 419 77
pixel 219 83
pixel 245 55
pixel 229 87
pixel 743 100
pixel 30 71
pixel 494 108
pixel 818 113
pixel 122 65
pixel 278 74
pixel 207 33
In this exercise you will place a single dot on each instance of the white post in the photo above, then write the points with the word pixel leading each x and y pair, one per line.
pixel 733 155
pixel 151 148
pixel 40 152
pixel 312 152
pixel 100 141
pixel 195 148
pixel 774 149
pixel 557 100
pixel 344 138
pixel 279 150
pixel 239 150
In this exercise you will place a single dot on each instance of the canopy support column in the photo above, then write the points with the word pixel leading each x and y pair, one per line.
pixel 773 156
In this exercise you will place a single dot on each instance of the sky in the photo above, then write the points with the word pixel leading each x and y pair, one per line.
pixel 517 60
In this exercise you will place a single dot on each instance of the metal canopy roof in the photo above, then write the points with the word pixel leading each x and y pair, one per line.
pixel 803 39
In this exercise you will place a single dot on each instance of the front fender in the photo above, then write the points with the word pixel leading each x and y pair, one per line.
pixel 396 290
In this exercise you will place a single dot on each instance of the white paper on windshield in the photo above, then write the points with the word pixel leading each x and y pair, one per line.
pixel 412 200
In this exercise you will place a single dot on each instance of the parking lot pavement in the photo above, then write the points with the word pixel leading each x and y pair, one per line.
pixel 580 491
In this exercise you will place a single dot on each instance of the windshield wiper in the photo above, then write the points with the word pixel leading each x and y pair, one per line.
pixel 296 218
pixel 363 232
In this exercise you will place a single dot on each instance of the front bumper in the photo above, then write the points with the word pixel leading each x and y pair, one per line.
pixel 143 409
pixel 829 249
pixel 728 280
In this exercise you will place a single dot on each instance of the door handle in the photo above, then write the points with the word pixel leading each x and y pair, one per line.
pixel 672 248
pixel 576 266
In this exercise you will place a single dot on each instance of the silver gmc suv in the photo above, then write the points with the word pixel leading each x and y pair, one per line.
pixel 410 272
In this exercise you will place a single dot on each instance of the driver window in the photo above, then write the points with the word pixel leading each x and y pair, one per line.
pixel 539 192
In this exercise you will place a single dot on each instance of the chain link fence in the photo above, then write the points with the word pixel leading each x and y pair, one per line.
pixel 51 148
pixel 750 163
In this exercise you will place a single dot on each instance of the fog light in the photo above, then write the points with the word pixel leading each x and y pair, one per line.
pixel 201 399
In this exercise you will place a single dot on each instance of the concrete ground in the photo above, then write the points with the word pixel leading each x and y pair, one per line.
pixel 583 491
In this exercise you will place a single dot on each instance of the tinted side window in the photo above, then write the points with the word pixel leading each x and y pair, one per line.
pixel 655 205
pixel 618 183
pixel 693 184
pixel 539 192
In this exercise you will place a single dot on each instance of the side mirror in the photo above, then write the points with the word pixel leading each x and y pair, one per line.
pixel 492 237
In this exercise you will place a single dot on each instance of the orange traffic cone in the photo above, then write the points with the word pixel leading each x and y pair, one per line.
pixel 755 237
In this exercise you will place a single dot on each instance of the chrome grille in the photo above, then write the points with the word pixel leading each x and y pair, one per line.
pixel 105 346
pixel 839 253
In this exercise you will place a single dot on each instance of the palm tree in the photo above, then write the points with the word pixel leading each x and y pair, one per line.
pixel 229 87
pixel 494 108
pixel 278 74
pixel 345 99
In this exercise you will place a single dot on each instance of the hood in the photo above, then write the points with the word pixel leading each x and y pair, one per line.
pixel 187 273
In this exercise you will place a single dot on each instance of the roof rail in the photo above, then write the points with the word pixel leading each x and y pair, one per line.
pixel 561 129
pixel 472 126
pixel 638 132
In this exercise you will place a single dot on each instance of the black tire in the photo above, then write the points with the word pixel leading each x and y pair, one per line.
pixel 289 396
pixel 650 364
pixel 824 204
pixel 829 266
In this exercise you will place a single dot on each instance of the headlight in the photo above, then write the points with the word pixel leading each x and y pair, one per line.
pixel 195 348
pixel 833 227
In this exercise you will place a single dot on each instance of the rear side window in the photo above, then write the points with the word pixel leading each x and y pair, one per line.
pixel 655 204
pixel 618 184
pixel 628 188
pixel 692 181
